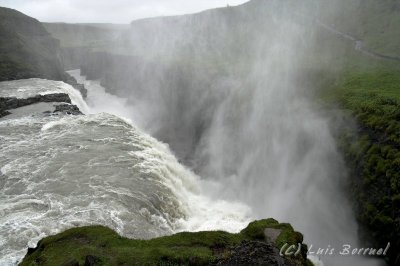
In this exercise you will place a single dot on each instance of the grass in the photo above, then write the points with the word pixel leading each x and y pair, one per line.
pixel 372 149
pixel 375 22
pixel 111 249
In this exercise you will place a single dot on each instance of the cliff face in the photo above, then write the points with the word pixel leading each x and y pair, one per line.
pixel 374 22
pixel 77 40
pixel 371 150
pixel 27 50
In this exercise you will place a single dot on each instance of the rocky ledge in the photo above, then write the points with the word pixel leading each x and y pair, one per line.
pixel 68 109
pixel 9 103
pixel 258 244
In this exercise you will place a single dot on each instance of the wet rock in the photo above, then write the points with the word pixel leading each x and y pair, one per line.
pixel 91 260
pixel 194 261
pixel 8 103
pixel 80 87
pixel 4 113
pixel 68 109
pixel 27 49
pixel 252 253
pixel 70 262
pixel 30 251
pixel 272 234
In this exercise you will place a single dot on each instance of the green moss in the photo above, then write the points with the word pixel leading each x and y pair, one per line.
pixel 111 249
pixel 372 150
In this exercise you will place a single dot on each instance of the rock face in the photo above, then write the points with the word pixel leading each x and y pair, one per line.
pixel 371 151
pixel 27 50
pixel 97 245
pixel 72 81
pixel 68 109
pixel 253 253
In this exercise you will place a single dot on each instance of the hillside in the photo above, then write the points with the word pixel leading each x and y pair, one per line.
pixel 375 22
pixel 84 35
pixel 369 140
pixel 26 49
pixel 77 40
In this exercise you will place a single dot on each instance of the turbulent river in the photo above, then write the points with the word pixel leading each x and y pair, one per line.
pixel 59 172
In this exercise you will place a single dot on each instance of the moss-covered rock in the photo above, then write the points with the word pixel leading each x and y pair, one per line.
pixel 372 152
pixel 98 245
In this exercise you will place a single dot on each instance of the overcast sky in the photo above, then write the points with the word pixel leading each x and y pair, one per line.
pixel 110 11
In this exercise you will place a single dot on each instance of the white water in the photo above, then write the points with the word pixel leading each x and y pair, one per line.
pixel 307 195
pixel 267 145
pixel 256 133
pixel 205 213
pixel 26 88
pixel 252 126
pixel 62 172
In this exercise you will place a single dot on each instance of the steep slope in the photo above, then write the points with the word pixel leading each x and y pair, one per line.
pixel 77 40
pixel 371 149
pixel 27 50
pixel 373 22
pixel 84 35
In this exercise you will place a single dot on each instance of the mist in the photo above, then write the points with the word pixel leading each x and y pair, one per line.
pixel 123 11
pixel 154 118
pixel 232 92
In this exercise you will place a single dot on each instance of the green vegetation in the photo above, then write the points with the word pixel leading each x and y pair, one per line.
pixel 375 22
pixel 109 248
pixel 372 149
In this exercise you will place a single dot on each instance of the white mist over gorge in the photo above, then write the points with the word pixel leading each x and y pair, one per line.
pixel 189 123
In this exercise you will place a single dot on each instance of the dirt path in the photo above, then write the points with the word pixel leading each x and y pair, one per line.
pixel 358 44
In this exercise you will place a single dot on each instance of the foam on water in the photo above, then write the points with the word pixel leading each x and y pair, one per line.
pixel 26 88
pixel 62 172
pixel 204 212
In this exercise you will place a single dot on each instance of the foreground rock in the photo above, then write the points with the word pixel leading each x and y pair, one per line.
pixel 98 245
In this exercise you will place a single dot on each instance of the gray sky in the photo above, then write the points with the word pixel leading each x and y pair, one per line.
pixel 110 11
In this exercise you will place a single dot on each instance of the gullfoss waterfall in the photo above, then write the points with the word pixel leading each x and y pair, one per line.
pixel 62 172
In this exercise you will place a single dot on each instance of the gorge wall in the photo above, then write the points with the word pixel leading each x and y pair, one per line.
pixel 27 50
